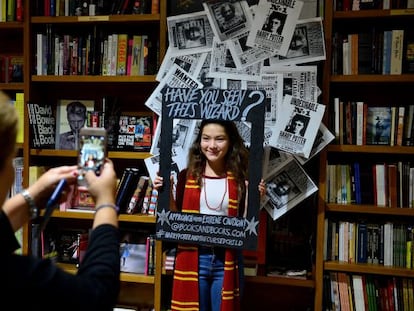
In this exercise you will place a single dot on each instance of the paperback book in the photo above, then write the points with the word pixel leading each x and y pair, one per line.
pixel 42 126
pixel 135 132
pixel 71 116
pixel 378 131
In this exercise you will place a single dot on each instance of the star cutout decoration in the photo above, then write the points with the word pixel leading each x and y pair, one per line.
pixel 163 217
pixel 252 225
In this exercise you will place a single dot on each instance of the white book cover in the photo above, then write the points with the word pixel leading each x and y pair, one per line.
pixel 358 292
pixel 274 25
pixel 297 127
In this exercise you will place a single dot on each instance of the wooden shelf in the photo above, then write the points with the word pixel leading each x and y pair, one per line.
pixel 15 86
pixel 94 79
pixel 275 280
pixel 73 153
pixel 372 14
pixel 125 277
pixel 12 25
pixel 138 218
pixel 96 19
pixel 368 268
pixel 374 78
pixel 369 209
pixel 371 149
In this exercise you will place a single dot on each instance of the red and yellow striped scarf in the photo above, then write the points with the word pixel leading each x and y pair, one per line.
pixel 185 294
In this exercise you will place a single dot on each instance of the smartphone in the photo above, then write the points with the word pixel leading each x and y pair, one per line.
pixel 92 151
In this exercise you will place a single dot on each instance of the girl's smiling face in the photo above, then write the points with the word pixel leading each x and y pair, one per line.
pixel 214 142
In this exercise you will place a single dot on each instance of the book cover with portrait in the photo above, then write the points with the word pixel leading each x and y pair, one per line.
pixel 71 116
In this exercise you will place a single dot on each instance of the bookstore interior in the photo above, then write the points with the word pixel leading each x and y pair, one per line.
pixel 319 91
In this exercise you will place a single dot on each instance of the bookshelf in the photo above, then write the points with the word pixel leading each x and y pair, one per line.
pixel 131 91
pixel 374 89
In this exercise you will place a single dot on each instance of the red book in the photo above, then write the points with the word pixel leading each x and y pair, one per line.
pixel 19 10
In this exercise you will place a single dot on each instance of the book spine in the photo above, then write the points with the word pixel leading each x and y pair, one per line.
pixel 122 54
pixel 155 6
pixel 396 51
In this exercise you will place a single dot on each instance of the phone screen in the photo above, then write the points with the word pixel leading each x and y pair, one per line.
pixel 92 152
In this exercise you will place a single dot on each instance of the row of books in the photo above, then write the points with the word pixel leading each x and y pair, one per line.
pixel 11 10
pixel 60 245
pixel 92 54
pixel 357 123
pixel 69 246
pixel 373 52
pixel 11 68
pixel 388 244
pixel 89 8
pixel 356 5
pixel 126 132
pixel 382 184
pixel 135 193
pixel 345 291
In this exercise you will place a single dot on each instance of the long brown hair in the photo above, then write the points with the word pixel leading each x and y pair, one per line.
pixel 8 128
pixel 236 160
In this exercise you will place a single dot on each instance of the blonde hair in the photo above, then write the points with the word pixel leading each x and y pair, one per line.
pixel 8 128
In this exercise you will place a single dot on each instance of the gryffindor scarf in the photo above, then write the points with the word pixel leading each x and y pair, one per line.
pixel 185 294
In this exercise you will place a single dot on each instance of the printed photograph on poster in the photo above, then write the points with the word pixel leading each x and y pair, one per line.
pixel 307 44
pixel 222 65
pixel 184 133
pixel 323 138
pixel 244 55
pixel 297 127
pixel 273 25
pixel 228 18
pixel 298 81
pixel 273 158
pixel 286 186
pixel 191 63
pixel 190 33
pixel 71 116
pixel 204 76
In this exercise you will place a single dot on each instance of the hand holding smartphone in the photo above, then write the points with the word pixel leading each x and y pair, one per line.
pixel 92 151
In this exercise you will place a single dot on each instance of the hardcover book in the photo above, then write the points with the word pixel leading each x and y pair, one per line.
pixel 378 131
pixel 42 125
pixel 135 132
pixel 71 116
